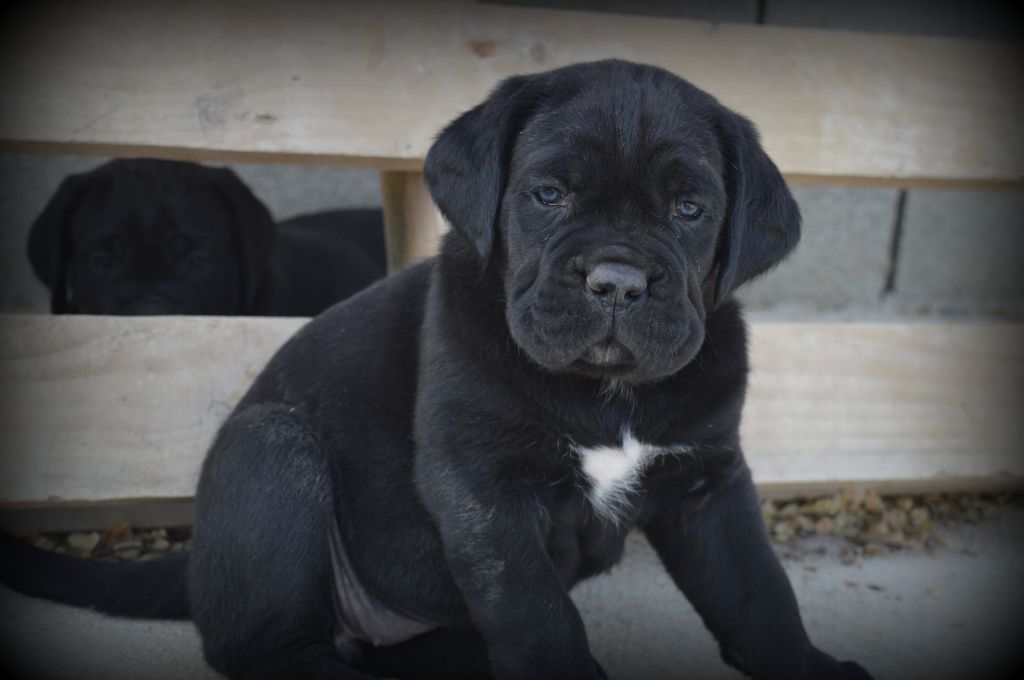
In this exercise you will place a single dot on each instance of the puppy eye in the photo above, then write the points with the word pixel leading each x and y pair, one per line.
pixel 688 210
pixel 549 195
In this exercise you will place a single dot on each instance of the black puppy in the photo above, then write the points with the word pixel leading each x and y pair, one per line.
pixel 148 236
pixel 417 479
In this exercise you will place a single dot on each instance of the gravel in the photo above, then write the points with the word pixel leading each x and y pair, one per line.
pixel 872 525
pixel 869 524
pixel 120 542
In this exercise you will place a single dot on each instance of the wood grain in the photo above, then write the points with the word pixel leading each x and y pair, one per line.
pixel 113 408
pixel 106 409
pixel 911 406
pixel 371 83
pixel 412 223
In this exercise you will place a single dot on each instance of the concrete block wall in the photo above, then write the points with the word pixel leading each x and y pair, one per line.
pixel 961 252
pixel 866 252
pixel 844 255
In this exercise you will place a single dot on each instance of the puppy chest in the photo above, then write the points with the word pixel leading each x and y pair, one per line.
pixel 613 474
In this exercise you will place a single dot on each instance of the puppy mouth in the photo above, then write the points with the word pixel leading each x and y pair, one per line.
pixel 608 358
pixel 608 353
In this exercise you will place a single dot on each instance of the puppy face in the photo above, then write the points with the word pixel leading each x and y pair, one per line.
pixel 150 237
pixel 610 219
pixel 618 203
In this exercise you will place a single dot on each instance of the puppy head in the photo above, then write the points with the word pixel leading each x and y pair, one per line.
pixel 620 203
pixel 146 236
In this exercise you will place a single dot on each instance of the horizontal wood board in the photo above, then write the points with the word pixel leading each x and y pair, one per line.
pixel 107 409
pixel 371 83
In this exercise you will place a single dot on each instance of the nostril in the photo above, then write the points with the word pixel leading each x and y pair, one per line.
pixel 623 282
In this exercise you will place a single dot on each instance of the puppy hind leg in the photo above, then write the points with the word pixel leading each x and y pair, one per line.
pixel 259 574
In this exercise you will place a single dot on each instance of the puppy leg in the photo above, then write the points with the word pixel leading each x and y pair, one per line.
pixel 719 555
pixel 259 575
pixel 496 553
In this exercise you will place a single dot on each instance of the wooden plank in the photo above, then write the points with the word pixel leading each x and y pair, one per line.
pixel 102 409
pixel 412 223
pixel 143 514
pixel 113 408
pixel 904 406
pixel 371 83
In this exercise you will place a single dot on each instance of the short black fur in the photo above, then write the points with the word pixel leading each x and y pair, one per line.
pixel 428 439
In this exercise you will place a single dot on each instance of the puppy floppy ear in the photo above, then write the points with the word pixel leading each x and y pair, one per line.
pixel 49 241
pixel 763 222
pixel 254 231
pixel 467 167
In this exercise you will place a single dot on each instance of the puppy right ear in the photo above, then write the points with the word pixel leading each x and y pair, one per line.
pixel 467 167
pixel 49 241
pixel 255 233
pixel 763 224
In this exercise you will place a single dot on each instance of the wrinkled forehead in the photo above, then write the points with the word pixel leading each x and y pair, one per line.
pixel 637 130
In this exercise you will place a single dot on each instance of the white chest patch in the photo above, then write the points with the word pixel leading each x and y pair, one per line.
pixel 613 472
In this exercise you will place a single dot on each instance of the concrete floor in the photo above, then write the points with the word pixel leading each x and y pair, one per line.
pixel 954 614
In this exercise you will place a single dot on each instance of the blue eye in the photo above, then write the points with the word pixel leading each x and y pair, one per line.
pixel 688 210
pixel 549 195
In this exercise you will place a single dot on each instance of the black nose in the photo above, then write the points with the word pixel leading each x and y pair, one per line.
pixel 617 283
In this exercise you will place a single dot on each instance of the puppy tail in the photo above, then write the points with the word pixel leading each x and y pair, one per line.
pixel 152 590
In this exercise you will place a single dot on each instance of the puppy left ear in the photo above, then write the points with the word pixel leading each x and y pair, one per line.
pixel 467 167
pixel 49 241
pixel 254 231
pixel 763 222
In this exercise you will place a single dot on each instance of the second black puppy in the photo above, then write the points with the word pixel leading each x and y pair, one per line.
pixel 417 479
pixel 147 236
